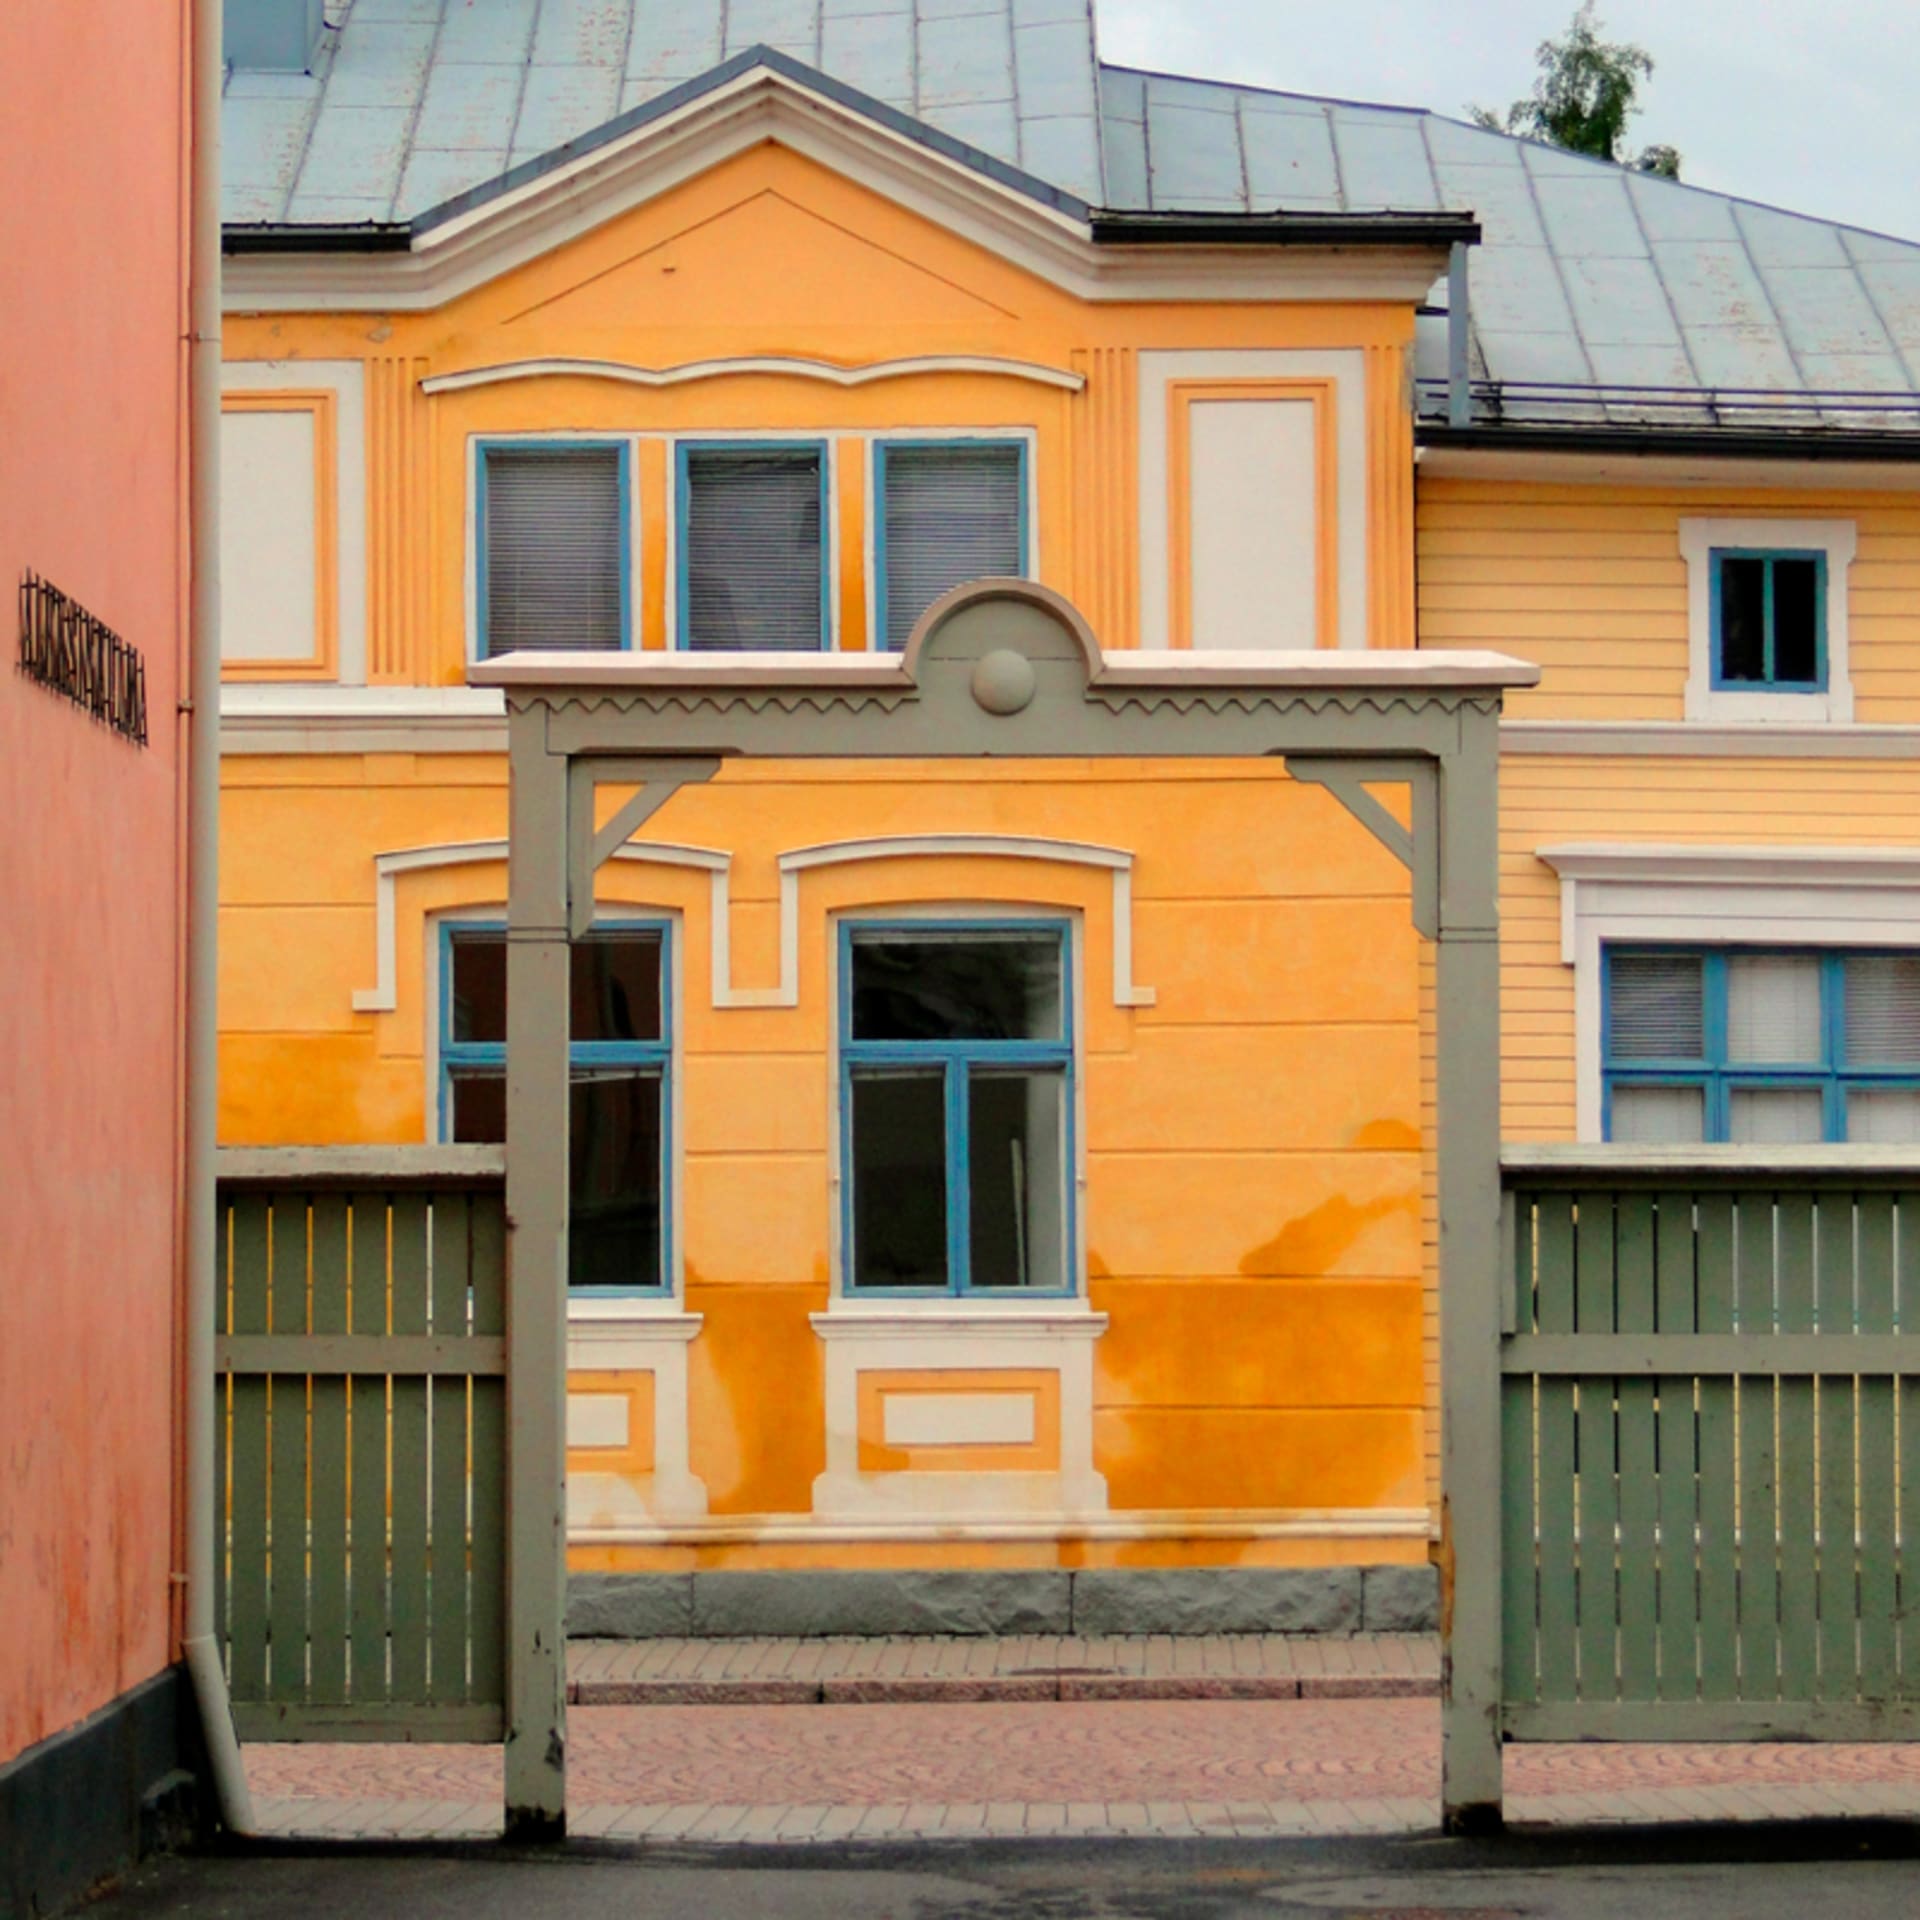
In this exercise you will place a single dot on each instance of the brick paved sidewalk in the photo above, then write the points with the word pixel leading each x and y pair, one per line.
pixel 1012 1769
pixel 763 1673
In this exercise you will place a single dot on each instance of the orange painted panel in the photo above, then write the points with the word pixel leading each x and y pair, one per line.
pixel 1265 1216
pixel 317 1090
pixel 1187 1457
pixel 1268 1343
pixel 637 1390
pixel 753 1218
pixel 879 1385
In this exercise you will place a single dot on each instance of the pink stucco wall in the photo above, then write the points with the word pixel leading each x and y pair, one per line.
pixel 92 402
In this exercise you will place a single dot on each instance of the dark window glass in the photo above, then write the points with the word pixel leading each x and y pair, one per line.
pixel 1017 1144
pixel 970 986
pixel 479 1009
pixel 615 1164
pixel 615 987
pixel 899 1150
pixel 614 1227
pixel 755 549
pixel 1796 621
pixel 1743 619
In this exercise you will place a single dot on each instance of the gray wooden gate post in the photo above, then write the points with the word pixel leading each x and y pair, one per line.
pixel 537 1019
pixel 1467 1102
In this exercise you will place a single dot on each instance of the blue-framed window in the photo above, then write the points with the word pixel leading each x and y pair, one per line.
pixel 1761 1046
pixel 620 1113
pixel 956 1104
pixel 751 545
pixel 944 512
pixel 554 544
pixel 1769 620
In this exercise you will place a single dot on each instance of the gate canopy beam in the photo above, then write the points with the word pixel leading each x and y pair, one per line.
pixel 1417 848
pixel 589 848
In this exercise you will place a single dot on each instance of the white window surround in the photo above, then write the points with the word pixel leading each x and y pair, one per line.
pixel 1618 893
pixel 651 1316
pixel 944 1317
pixel 1837 539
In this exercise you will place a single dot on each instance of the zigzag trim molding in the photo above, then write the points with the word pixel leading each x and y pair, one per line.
pixel 383 996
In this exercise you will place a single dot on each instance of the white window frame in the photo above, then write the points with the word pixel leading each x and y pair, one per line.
pixel 1622 894
pixel 1699 539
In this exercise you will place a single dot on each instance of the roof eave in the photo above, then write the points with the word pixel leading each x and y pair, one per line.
pixel 1727 443
pixel 1119 227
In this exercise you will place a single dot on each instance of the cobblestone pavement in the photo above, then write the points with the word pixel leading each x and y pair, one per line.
pixel 1178 1767
pixel 1246 1666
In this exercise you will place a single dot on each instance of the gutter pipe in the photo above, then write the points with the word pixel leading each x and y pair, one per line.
pixel 198 1645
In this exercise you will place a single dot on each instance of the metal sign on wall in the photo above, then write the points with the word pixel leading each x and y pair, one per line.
pixel 68 651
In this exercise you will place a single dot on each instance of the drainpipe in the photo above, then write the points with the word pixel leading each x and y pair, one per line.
pixel 1459 340
pixel 203 899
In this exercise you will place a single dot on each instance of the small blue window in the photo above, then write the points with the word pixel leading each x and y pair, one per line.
pixel 619 1119
pixel 946 512
pixel 752 546
pixel 1760 1047
pixel 956 1100
pixel 554 546
pixel 1769 620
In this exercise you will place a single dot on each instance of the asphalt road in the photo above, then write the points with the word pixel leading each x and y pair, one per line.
pixel 1852 1871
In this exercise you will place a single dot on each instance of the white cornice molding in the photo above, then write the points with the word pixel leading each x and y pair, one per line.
pixel 266 719
pixel 388 868
pixel 559 206
pixel 825 371
pixel 1619 891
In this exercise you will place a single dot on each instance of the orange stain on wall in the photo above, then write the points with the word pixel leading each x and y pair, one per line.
pixel 1313 1241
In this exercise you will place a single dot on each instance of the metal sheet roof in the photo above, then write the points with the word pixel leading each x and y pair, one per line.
pixel 414 101
pixel 1597 293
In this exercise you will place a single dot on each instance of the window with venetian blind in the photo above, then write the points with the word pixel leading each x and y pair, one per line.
pixel 553 547
pixel 1762 1048
pixel 949 512
pixel 753 547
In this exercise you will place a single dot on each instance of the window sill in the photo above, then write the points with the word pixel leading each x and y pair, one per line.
pixel 1720 706
pixel 630 1317
pixel 1040 1320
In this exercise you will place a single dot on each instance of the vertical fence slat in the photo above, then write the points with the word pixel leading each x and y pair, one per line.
pixel 1798 1437
pixel 447 1401
pixel 1839 1578
pixel 287 1465
pixel 1879 1545
pixel 410 1621
pixel 1519 1568
pixel 488 1653
pixel 1759 1488
pixel 1559 1618
pixel 369 1456
pixel 1598 1498
pixel 1679 1515
pixel 327 1624
pixel 1718 1515
pixel 247 1655
pixel 1635 1285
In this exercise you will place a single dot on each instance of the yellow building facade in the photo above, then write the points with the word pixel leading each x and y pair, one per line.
pixel 1208 1338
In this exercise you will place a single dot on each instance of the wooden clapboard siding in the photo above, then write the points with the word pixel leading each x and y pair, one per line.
pixel 1588 582
pixel 1551 800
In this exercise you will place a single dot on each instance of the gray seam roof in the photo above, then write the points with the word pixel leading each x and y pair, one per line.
pixel 418 110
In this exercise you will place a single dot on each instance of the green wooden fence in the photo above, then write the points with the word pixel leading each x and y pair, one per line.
pixel 360 1561
pixel 1710 1428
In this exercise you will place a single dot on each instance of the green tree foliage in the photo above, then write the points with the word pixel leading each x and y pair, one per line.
pixel 1587 91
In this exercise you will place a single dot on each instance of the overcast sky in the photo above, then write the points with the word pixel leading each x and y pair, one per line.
pixel 1808 104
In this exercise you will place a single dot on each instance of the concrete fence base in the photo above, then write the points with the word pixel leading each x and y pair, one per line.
pixel 807 1605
